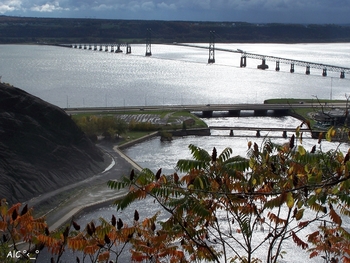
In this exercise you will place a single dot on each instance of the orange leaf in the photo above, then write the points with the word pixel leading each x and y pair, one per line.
pixel 335 217
pixel 103 256
pixel 298 241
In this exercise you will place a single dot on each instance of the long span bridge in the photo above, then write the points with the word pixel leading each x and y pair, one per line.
pixel 292 62
pixel 116 48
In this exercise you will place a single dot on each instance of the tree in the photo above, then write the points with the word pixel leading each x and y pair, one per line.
pixel 221 204
pixel 221 209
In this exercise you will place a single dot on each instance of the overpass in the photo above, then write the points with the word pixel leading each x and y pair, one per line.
pixel 207 110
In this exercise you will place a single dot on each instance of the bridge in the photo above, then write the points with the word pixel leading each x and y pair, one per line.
pixel 277 60
pixel 207 110
pixel 257 130
pixel 114 47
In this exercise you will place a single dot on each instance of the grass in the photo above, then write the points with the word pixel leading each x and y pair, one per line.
pixel 173 116
pixel 304 112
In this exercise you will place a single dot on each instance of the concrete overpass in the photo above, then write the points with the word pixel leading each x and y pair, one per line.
pixel 207 110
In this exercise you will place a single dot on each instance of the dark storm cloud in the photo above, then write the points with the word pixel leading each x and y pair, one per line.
pixel 290 11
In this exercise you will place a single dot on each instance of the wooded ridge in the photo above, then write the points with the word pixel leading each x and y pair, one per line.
pixel 87 30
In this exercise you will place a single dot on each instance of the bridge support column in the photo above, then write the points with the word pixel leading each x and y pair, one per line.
pixel 307 72
pixel 118 49
pixel 95 47
pixel 207 113
pixel 243 62
pixel 128 49
pixel 231 133
pixel 282 112
pixel 234 113
pixel 277 66
pixel 112 48
pixel 263 65
pixel 292 68
pixel 211 58
pixel 106 48
pixel 101 48
pixel 324 72
pixel 258 133
pixel 260 112
pixel 148 43
pixel 342 74
pixel 284 134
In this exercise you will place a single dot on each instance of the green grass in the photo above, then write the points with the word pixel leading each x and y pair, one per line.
pixel 296 101
pixel 304 112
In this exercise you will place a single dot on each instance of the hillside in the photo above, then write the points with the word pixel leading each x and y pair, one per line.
pixel 69 30
pixel 41 148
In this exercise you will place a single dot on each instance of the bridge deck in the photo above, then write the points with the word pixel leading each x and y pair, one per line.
pixel 279 59
pixel 241 128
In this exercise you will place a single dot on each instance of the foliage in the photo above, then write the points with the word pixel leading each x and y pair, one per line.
pixel 221 208
pixel 106 125
pixel 17 225
pixel 222 204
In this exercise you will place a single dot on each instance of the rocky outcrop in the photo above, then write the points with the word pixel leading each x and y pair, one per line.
pixel 41 148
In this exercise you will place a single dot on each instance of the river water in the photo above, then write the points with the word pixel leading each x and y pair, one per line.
pixel 70 77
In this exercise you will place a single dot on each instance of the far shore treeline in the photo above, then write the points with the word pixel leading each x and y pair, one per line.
pixel 14 30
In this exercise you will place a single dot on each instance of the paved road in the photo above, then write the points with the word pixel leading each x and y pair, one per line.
pixel 73 198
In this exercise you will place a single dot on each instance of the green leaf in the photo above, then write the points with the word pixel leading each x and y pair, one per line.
pixel 113 184
pixel 290 200
pixel 301 150
pixel 299 214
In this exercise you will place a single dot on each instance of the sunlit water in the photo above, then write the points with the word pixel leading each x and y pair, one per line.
pixel 172 75
pixel 70 77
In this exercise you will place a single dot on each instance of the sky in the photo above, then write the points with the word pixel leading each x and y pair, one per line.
pixel 252 11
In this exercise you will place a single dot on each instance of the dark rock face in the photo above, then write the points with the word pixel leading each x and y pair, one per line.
pixel 41 148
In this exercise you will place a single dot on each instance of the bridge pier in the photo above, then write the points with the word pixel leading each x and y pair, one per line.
pixel 279 113
pixel 234 113
pixel 263 65
pixel 112 48
pixel 243 62
pixel 284 134
pixel 342 74
pixel 95 47
pixel 277 66
pixel 258 134
pixel 292 68
pixel 106 48
pixel 128 49
pixel 148 43
pixel 307 72
pixel 101 48
pixel 211 58
pixel 207 113
pixel 231 133
pixel 260 112
pixel 118 49
pixel 324 72
pixel 90 47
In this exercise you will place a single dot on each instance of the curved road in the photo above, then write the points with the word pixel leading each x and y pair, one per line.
pixel 91 192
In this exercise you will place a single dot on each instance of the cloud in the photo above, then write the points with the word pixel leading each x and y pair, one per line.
pixel 296 11
pixel 48 7
pixel 166 6
pixel 9 6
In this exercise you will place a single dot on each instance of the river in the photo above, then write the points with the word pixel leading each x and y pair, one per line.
pixel 70 77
